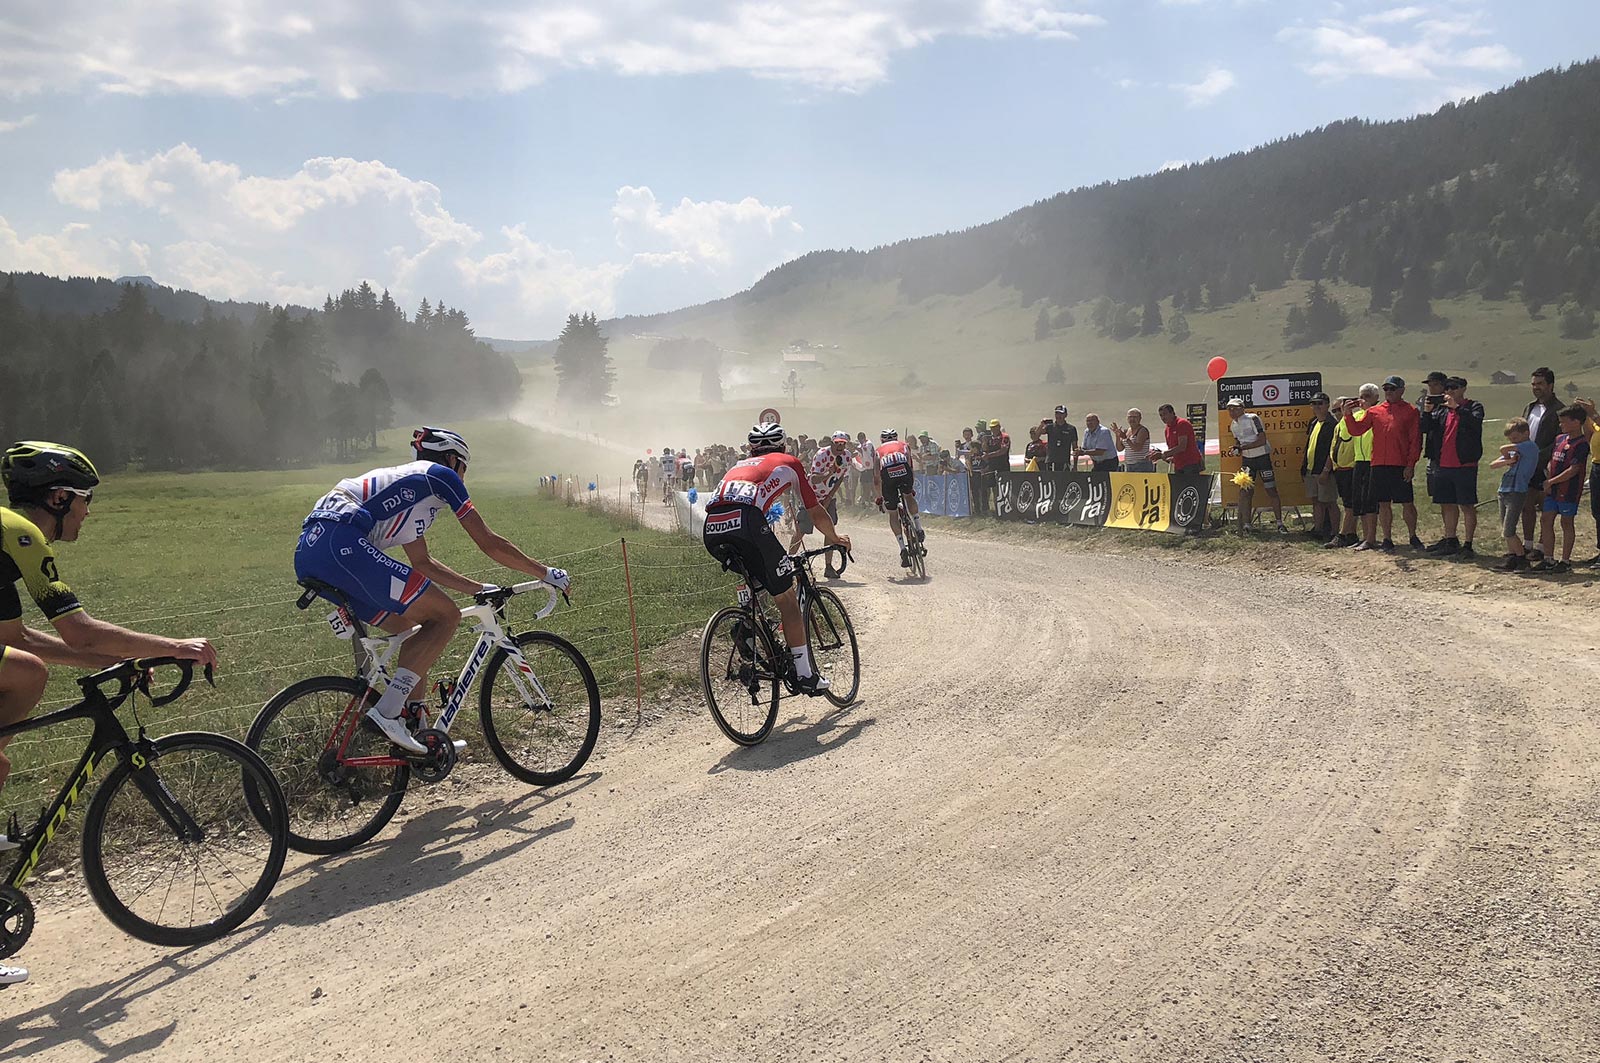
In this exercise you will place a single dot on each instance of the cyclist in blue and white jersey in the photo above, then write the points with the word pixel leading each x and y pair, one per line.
pixel 342 542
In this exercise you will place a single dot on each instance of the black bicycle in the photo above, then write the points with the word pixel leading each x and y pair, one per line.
pixel 745 666
pixel 183 840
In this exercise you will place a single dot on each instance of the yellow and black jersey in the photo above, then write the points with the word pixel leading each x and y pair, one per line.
pixel 26 556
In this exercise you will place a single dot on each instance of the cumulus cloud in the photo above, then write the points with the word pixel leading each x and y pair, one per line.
pixel 344 50
pixel 11 125
pixel 206 224
pixel 1404 43
pixel 1209 88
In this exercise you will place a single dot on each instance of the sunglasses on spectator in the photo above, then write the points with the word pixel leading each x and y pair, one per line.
pixel 1390 387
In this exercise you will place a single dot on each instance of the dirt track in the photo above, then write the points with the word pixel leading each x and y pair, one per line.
pixel 1068 819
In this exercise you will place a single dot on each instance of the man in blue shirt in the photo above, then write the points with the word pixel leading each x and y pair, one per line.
pixel 342 542
pixel 1099 445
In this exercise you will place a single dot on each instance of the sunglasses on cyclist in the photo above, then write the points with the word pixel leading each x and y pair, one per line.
pixel 86 495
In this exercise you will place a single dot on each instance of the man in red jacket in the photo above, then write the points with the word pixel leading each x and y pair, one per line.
pixel 1396 446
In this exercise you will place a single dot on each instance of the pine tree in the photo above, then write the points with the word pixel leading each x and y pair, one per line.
pixel 1178 326
pixel 1414 308
pixel 1151 324
pixel 710 382
pixel 1041 324
pixel 583 368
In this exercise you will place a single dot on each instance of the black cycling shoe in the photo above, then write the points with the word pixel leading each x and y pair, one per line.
pixel 813 685
pixel 922 536
pixel 905 557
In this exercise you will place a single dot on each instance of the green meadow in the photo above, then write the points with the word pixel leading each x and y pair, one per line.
pixel 209 554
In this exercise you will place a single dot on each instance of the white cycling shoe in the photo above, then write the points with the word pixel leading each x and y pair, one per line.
pixel 815 684
pixel 420 711
pixel 12 975
pixel 395 731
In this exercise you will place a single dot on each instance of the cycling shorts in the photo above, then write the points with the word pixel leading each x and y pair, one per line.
pixel 895 482
pixel 739 532
pixel 339 554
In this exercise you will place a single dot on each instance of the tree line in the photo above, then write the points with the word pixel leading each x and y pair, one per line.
pixel 274 387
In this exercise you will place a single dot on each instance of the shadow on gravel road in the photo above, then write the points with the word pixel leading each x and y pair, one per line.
pixel 81 1015
pixel 792 741
pixel 420 857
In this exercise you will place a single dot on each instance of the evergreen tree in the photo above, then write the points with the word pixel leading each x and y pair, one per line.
pixel 1056 374
pixel 1041 324
pixel 1063 319
pixel 1414 308
pixel 1178 326
pixel 583 368
pixel 1577 322
pixel 710 382
pixel 1150 323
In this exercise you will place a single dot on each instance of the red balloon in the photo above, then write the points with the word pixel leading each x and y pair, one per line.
pixel 1217 368
pixel 649 450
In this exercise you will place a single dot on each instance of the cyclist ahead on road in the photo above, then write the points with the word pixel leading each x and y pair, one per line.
pixel 49 487
pixel 897 481
pixel 736 523
pixel 342 542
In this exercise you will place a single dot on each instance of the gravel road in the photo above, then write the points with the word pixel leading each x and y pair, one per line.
pixel 1088 807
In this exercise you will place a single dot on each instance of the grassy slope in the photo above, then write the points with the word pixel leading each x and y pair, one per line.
pixel 210 554
pixel 976 355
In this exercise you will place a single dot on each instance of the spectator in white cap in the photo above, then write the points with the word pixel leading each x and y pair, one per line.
pixel 1255 451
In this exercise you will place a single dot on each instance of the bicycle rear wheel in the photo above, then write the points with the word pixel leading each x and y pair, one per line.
pixel 833 645
pixel 174 852
pixel 541 728
pixel 739 676
pixel 332 807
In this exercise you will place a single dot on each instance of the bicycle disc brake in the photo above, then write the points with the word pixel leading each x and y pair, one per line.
pixel 16 920
pixel 435 764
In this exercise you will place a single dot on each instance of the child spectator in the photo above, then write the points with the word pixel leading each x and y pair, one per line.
pixel 1563 488
pixel 1519 458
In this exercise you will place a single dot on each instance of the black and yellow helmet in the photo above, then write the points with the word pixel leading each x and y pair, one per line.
pixel 32 467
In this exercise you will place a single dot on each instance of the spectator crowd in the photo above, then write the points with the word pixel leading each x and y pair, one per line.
pixel 1361 456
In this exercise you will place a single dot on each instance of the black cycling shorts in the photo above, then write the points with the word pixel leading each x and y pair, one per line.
pixel 896 482
pixel 740 534
pixel 802 516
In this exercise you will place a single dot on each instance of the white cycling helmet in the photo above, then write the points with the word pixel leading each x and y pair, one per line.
pixel 767 435
pixel 437 442
pixel 888 435
pixel 842 435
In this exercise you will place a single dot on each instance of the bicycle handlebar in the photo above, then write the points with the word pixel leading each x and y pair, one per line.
pixel 135 674
pixel 500 595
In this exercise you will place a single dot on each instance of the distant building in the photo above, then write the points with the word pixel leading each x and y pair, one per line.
pixel 799 356
pixel 1498 377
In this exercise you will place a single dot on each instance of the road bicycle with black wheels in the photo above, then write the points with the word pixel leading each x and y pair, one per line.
pixel 745 665
pixel 539 706
pixel 184 839
pixel 916 544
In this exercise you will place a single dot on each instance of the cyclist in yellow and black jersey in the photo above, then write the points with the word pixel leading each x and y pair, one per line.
pixel 49 487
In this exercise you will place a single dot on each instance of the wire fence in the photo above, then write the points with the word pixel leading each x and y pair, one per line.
pixel 660 586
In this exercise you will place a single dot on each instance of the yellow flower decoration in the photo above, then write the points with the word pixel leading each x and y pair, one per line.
pixel 1244 481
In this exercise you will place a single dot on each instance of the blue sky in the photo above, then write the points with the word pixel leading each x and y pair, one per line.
pixel 524 160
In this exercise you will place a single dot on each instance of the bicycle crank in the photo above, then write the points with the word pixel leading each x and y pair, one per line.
pixel 435 764
pixel 16 920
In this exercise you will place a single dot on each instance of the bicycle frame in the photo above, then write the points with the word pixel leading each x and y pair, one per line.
pixel 108 736
pixel 376 653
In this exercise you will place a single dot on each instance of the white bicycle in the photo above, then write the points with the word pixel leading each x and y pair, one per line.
pixel 343 781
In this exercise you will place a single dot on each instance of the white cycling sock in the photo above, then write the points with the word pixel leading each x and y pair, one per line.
pixel 916 521
pixel 901 539
pixel 395 694
pixel 802 661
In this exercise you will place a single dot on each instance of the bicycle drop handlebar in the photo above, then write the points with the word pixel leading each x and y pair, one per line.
pixel 136 674
pixel 500 595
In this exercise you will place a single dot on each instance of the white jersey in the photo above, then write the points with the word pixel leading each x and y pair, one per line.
pixel 400 502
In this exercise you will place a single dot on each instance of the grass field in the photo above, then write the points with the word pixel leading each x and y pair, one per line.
pixel 976 356
pixel 210 555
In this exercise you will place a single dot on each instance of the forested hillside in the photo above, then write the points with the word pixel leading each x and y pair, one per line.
pixel 145 382
pixel 1498 196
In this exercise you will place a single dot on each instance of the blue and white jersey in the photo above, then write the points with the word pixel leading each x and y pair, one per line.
pixel 395 506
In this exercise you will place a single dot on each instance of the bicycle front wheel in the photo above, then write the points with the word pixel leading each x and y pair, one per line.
pixel 739 675
pixel 540 725
pixel 833 645
pixel 333 806
pixel 174 852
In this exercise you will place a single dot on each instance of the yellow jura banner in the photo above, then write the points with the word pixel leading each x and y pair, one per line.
pixel 1141 501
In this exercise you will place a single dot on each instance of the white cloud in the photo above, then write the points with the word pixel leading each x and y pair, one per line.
pixel 14 124
pixel 208 225
pixel 1407 43
pixel 1209 88
pixel 346 50
pixel 74 251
